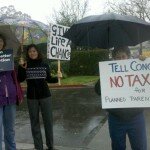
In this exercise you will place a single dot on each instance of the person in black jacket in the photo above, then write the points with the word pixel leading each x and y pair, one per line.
pixel 125 121
pixel 37 74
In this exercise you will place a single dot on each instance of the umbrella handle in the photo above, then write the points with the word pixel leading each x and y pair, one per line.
pixel 59 73
pixel 22 40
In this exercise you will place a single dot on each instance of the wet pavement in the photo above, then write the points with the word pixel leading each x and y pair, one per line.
pixel 76 113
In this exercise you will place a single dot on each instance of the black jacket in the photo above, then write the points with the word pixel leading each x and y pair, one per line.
pixel 37 74
pixel 123 114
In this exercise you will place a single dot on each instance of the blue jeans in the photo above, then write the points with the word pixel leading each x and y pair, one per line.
pixel 7 119
pixel 135 129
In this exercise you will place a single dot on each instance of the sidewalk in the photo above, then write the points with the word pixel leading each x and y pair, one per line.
pixel 101 141
pixel 25 146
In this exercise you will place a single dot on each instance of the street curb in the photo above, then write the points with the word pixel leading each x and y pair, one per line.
pixel 63 86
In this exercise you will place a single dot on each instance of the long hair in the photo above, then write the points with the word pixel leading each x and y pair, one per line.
pixel 40 57
pixel 4 40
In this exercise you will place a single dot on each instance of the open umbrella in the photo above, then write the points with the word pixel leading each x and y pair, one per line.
pixel 27 31
pixel 109 30
pixel 11 40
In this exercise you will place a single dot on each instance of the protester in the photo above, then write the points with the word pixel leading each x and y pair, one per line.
pixel 8 99
pixel 37 74
pixel 125 121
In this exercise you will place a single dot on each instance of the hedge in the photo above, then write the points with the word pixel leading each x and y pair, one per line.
pixel 86 62
pixel 82 62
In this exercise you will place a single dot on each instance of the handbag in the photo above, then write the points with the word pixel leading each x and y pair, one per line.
pixel 20 95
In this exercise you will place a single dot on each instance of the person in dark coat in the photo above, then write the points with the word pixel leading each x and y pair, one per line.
pixel 125 121
pixel 37 74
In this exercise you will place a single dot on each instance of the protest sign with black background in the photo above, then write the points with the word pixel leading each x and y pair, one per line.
pixel 6 60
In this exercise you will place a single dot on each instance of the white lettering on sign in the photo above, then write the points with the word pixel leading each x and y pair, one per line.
pixel 4 57
pixel 6 60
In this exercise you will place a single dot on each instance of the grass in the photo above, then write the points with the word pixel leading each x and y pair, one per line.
pixel 74 80
pixel 78 80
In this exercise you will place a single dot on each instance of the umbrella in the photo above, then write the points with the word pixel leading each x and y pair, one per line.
pixel 11 40
pixel 109 30
pixel 27 31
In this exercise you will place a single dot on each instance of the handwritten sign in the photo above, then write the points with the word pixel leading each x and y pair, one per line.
pixel 125 83
pixel 6 60
pixel 58 47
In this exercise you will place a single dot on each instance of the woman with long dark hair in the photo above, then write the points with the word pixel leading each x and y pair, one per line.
pixel 37 74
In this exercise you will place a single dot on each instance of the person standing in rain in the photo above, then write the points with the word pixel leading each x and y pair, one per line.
pixel 37 74
pixel 8 100
pixel 125 121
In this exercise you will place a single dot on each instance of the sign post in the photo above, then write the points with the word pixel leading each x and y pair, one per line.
pixel 59 70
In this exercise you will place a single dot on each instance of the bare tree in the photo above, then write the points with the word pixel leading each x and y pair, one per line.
pixel 10 11
pixel 70 12
pixel 138 8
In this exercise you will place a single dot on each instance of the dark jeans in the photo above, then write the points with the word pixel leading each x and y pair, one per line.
pixel 34 107
pixel 135 129
pixel 7 119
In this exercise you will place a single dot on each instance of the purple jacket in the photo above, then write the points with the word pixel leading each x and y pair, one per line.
pixel 6 80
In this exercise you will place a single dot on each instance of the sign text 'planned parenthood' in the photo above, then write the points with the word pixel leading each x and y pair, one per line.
pixel 125 83
pixel 58 46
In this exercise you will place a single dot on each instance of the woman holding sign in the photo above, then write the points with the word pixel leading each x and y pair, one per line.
pixel 8 99
pixel 37 74
pixel 126 121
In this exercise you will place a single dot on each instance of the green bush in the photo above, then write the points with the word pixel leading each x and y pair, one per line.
pixel 64 67
pixel 86 62
pixel 81 63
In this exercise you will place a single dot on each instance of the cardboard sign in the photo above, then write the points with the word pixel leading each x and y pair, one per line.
pixel 125 83
pixel 58 47
pixel 6 60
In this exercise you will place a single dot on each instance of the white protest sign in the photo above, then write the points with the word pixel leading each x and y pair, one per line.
pixel 58 47
pixel 125 83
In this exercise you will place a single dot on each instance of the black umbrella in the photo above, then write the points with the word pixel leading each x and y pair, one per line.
pixel 109 30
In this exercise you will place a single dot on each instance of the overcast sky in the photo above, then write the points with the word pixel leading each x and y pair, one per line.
pixel 42 10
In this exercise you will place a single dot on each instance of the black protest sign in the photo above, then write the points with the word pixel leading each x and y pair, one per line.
pixel 6 60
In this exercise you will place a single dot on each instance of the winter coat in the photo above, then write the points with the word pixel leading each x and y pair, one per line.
pixel 8 91
pixel 37 74
pixel 123 114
